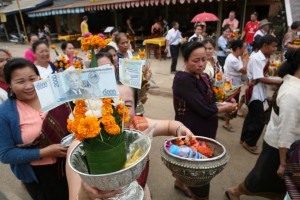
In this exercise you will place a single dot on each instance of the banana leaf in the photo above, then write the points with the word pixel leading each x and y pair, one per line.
pixel 103 158
pixel 94 59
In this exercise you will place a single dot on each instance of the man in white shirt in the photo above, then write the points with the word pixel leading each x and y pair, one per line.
pixel 173 37
pixel 257 73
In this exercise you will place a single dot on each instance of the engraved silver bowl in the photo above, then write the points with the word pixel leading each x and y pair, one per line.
pixel 196 172
pixel 123 179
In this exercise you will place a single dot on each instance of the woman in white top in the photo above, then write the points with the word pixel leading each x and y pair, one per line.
pixel 4 57
pixel 197 35
pixel 123 44
pixel 113 33
pixel 235 66
pixel 282 130
pixel 42 55
pixel 212 64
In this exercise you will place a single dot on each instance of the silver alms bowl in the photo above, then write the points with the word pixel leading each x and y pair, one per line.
pixel 196 172
pixel 118 179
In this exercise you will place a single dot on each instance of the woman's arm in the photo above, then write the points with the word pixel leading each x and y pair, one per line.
pixel 169 128
pixel 282 155
pixel 9 152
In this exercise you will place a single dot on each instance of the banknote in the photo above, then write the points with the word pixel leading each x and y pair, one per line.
pixel 75 84
pixel 45 94
pixel 130 72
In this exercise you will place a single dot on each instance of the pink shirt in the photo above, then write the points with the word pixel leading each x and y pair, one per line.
pixel 29 55
pixel 233 24
pixel 31 122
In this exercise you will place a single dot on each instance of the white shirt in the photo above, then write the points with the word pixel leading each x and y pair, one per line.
pixel 114 45
pixel 199 37
pixel 284 129
pixel 232 68
pixel 3 95
pixel 260 33
pixel 255 70
pixel 173 36
pixel 44 72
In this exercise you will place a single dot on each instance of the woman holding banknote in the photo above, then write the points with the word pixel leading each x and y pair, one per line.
pixel 30 138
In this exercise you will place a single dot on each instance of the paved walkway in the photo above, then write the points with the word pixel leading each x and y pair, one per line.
pixel 159 106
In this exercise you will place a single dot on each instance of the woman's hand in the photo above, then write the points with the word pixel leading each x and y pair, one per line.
pixel 280 170
pixel 231 107
pixel 184 131
pixel 87 192
pixel 54 150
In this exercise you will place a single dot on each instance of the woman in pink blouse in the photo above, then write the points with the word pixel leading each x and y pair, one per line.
pixel 30 138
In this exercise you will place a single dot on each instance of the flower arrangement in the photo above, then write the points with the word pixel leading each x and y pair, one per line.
pixel 77 62
pixel 142 54
pixel 54 48
pixel 98 123
pixel 61 63
pixel 90 43
pixel 219 94
pixel 223 89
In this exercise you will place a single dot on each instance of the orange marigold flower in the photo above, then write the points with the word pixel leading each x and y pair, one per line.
pixel 108 120
pixel 75 52
pixel 53 46
pixel 113 129
pixel 55 64
pixel 89 127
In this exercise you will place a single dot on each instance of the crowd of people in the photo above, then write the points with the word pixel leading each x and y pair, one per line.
pixel 41 165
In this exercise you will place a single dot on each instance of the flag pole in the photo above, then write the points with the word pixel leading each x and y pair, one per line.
pixel 22 20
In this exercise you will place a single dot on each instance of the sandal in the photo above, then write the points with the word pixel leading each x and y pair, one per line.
pixel 228 128
pixel 240 114
pixel 185 191
pixel 227 195
pixel 253 150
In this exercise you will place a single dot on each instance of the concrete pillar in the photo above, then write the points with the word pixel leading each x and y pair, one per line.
pixel 17 25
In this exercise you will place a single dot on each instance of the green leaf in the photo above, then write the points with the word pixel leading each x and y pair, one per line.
pixel 94 59
pixel 105 161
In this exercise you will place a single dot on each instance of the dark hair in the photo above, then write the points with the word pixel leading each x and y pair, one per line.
pixel 197 25
pixel 173 23
pixel 37 43
pixel 225 28
pixel 108 48
pixel 268 39
pixel 255 13
pixel 11 66
pixel 31 35
pixel 84 17
pixel 295 25
pixel 5 51
pixel 104 54
pixel 237 44
pixel 113 30
pixel 189 47
pixel 118 37
pixel 64 45
pixel 255 45
pixel 291 65
pixel 209 40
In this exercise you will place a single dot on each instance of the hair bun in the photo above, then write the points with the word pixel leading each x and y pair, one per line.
pixel 289 55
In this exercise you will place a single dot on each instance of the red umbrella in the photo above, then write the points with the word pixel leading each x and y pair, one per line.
pixel 205 17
